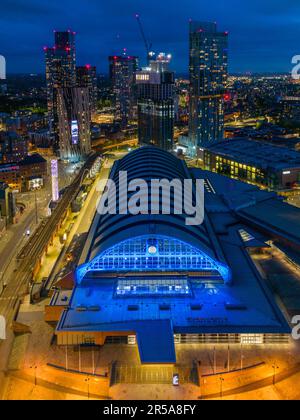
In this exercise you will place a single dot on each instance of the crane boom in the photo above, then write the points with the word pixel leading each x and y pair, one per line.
pixel 148 45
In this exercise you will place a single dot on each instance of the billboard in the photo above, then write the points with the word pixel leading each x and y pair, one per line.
pixel 74 131
pixel 54 179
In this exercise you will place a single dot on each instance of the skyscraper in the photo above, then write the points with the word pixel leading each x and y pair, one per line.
pixel 74 123
pixel 155 92
pixel 122 71
pixel 86 77
pixel 60 73
pixel 208 76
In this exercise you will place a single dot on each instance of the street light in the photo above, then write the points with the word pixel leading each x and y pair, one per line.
pixel 35 374
pixel 35 189
pixel 221 386
pixel 275 367
pixel 87 380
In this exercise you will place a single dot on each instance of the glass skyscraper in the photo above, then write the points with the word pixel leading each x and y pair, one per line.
pixel 122 71
pixel 87 78
pixel 208 76
pixel 155 91
pixel 60 73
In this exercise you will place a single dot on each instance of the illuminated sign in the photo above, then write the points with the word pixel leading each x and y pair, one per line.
pixel 74 132
pixel 287 173
pixel 54 179
pixel 143 77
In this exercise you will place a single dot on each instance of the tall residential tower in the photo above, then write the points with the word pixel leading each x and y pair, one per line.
pixel 70 99
pixel 122 71
pixel 60 73
pixel 208 77
pixel 155 91
pixel 87 78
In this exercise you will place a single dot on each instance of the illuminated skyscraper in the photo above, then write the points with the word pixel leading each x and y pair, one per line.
pixel 155 91
pixel 74 123
pixel 87 78
pixel 122 71
pixel 208 76
pixel 60 73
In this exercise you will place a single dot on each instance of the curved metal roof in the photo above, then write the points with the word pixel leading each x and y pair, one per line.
pixel 150 163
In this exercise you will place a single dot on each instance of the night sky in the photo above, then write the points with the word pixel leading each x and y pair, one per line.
pixel 264 34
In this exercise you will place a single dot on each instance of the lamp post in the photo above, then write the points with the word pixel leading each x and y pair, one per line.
pixel 35 374
pixel 275 367
pixel 87 381
pixel 221 386
pixel 35 189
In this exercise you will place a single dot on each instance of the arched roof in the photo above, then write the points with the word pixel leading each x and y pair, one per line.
pixel 149 163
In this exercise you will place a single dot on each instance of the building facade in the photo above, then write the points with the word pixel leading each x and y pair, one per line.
pixel 87 78
pixel 28 174
pixel 13 147
pixel 7 204
pixel 74 125
pixel 60 73
pixel 273 167
pixel 122 71
pixel 208 76
pixel 156 109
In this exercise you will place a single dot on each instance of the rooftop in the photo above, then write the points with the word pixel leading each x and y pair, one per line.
pixel 187 301
pixel 32 159
pixel 257 153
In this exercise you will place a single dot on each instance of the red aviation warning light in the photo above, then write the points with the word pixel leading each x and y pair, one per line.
pixel 227 96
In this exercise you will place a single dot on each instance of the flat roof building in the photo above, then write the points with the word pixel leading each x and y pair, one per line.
pixel 256 162
pixel 152 277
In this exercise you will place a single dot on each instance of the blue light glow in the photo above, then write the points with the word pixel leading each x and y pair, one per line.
pixel 136 254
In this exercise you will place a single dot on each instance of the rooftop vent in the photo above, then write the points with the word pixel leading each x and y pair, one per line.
pixel 95 308
pixel 235 307
pixel 81 308
pixel 196 307
pixel 133 308
pixel 164 307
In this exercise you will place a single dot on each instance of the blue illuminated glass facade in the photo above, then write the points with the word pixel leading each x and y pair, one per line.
pixel 153 253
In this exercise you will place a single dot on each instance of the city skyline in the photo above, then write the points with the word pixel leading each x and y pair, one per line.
pixel 265 42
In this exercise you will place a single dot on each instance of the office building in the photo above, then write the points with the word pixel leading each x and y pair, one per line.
pixel 13 147
pixel 122 71
pixel 208 76
pixel 155 93
pixel 26 175
pixel 272 167
pixel 7 204
pixel 86 77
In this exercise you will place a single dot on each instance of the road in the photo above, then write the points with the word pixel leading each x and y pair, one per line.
pixel 84 220
pixel 14 238
pixel 19 284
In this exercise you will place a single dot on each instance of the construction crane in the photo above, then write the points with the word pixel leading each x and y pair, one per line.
pixel 148 44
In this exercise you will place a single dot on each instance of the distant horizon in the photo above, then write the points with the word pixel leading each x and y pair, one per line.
pixel 180 74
